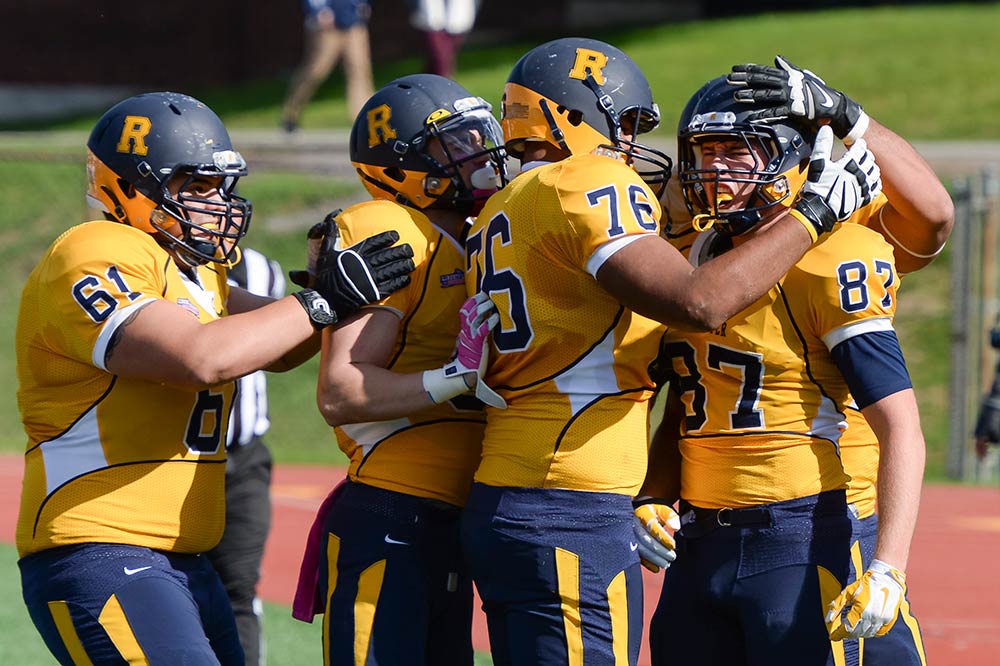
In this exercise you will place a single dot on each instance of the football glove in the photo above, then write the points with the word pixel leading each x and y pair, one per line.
pixel 834 190
pixel 314 239
pixel 869 606
pixel 787 91
pixel 651 518
pixel 478 316
pixel 362 274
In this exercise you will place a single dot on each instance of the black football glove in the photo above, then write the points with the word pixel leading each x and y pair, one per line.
pixel 314 239
pixel 362 274
pixel 785 91
pixel 834 190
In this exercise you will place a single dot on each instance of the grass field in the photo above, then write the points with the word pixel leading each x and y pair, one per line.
pixel 913 68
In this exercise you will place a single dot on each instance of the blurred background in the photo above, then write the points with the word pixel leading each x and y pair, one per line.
pixel 926 70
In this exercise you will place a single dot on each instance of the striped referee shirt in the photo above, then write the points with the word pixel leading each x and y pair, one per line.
pixel 262 276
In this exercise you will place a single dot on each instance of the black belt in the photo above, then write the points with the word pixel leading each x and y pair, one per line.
pixel 726 517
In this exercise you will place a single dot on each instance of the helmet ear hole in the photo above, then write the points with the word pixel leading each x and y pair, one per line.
pixel 395 173
pixel 126 188
pixel 575 117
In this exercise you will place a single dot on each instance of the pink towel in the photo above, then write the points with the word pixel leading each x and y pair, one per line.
pixel 308 602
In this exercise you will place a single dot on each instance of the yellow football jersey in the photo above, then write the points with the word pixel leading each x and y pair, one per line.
pixel 432 453
pixel 570 360
pixel 109 458
pixel 766 406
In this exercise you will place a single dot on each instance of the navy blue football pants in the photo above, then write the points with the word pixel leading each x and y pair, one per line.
pixel 111 604
pixel 558 574
pixel 750 586
pixel 903 645
pixel 392 577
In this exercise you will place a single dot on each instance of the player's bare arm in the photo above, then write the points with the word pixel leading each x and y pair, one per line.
pixel 165 343
pixel 354 384
pixel 241 300
pixel 896 422
pixel 651 278
pixel 663 474
pixel 920 214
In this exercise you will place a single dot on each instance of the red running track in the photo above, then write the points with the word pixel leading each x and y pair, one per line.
pixel 953 579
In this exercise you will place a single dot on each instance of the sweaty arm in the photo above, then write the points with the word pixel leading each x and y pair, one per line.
pixel 873 365
pixel 163 342
pixel 650 277
pixel 919 216
pixel 354 384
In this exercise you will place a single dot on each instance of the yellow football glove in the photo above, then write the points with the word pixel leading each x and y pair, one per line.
pixel 654 543
pixel 869 606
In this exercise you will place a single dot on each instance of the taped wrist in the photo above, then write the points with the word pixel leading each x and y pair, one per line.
pixel 320 313
pixel 880 567
pixel 445 383
pixel 852 124
pixel 814 213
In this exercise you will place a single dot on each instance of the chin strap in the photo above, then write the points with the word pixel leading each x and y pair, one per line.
pixel 119 210
pixel 703 222
pixel 608 105
pixel 557 133
pixel 238 254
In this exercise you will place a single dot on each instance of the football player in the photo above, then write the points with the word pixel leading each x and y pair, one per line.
pixel 917 232
pixel 391 584
pixel 770 498
pixel 126 360
pixel 570 253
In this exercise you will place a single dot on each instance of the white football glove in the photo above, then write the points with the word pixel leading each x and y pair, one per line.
pixel 478 317
pixel 834 190
pixel 869 606
pixel 651 518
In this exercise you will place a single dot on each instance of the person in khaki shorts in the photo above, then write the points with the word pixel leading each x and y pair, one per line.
pixel 333 28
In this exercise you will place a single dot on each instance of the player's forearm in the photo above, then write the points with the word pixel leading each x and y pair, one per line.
pixel 654 280
pixel 902 454
pixel 726 285
pixel 362 392
pixel 900 480
pixel 921 214
pixel 281 336
pixel 909 182
pixel 297 356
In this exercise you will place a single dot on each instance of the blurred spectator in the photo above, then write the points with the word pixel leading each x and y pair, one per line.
pixel 333 28
pixel 988 423
pixel 238 556
pixel 444 24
